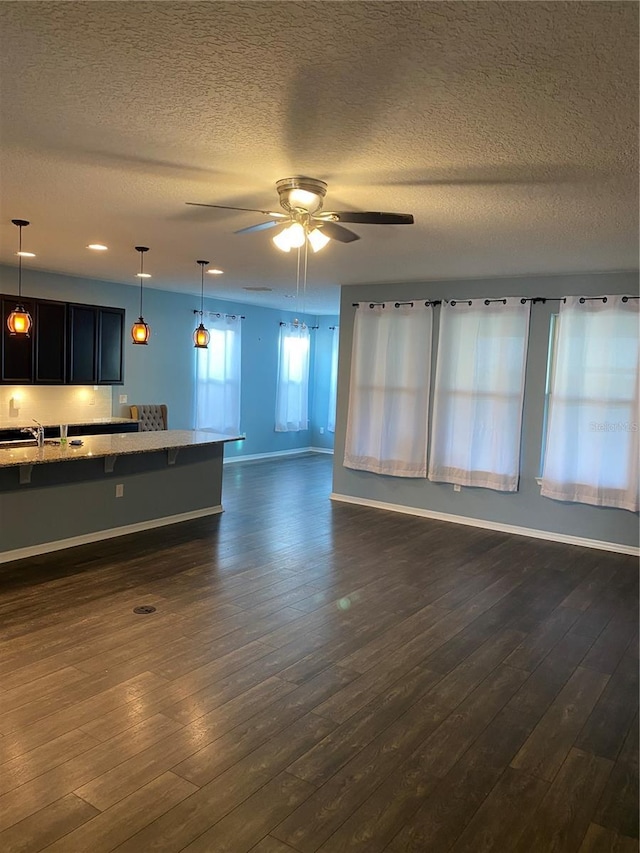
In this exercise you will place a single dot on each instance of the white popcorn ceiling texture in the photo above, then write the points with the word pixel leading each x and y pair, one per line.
pixel 509 130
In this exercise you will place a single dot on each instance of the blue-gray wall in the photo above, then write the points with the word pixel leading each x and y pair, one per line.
pixel 163 371
pixel 526 508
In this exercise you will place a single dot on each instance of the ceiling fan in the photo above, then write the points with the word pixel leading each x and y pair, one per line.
pixel 306 221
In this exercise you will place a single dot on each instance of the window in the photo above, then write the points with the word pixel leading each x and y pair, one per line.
pixel 218 377
pixel 591 451
pixel 389 390
pixel 479 393
pixel 333 380
pixel 292 390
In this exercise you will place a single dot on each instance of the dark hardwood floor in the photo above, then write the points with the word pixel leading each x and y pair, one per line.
pixel 318 677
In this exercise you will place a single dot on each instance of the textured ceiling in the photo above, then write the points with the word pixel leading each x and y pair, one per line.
pixel 509 130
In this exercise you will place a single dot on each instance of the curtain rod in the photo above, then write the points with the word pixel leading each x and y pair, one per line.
pixel 300 325
pixel 217 314
pixel 533 299
pixel 427 302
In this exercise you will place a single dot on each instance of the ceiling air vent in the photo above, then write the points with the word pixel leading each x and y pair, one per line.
pixel 259 289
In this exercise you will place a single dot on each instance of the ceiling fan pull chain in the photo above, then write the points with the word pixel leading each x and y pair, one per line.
pixel 304 277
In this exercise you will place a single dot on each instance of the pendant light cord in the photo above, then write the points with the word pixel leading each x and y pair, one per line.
pixel 20 264
pixel 201 291
pixel 141 279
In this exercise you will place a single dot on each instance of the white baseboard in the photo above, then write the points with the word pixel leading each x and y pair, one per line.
pixel 99 535
pixel 491 525
pixel 228 460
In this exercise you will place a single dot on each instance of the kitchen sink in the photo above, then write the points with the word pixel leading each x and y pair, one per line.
pixel 25 442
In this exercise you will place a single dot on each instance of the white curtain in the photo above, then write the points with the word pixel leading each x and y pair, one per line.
pixel 389 390
pixel 591 453
pixel 218 376
pixel 292 390
pixel 479 393
pixel 333 380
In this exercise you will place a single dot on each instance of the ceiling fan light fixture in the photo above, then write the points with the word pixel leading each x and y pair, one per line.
pixel 317 239
pixel 281 240
pixel 304 200
pixel 140 331
pixel 19 320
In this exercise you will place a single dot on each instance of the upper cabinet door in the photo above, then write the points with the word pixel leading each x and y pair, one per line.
pixel 50 342
pixel 82 339
pixel 17 350
pixel 110 332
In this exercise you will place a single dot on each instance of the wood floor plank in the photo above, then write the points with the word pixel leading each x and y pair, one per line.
pixel 46 825
pixel 192 817
pixel 239 831
pixel 563 817
pixel 498 823
pixel 112 827
pixel 601 840
pixel 318 676
pixel 549 743
pixel 440 820
pixel 312 823
pixel 61 780
pixel 618 806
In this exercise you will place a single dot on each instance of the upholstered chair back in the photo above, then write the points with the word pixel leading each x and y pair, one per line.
pixel 150 416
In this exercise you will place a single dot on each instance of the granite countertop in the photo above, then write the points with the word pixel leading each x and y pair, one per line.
pixel 86 422
pixel 118 444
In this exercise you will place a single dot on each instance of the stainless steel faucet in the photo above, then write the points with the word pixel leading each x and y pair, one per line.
pixel 37 432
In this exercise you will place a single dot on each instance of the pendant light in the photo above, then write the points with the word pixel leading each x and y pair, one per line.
pixel 140 331
pixel 201 336
pixel 19 321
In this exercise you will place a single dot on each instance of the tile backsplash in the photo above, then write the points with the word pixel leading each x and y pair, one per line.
pixel 53 404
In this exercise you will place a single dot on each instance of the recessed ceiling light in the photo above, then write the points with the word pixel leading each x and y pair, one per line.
pixel 143 275
pixel 215 272
pixel 25 254
pixel 97 247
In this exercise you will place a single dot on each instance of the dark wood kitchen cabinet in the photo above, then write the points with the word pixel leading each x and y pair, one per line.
pixel 82 344
pixel 109 354
pixel 17 350
pixel 69 343
pixel 50 341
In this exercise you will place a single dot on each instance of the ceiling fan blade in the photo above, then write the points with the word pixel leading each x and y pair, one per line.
pixel 337 232
pixel 246 209
pixel 261 226
pixel 368 217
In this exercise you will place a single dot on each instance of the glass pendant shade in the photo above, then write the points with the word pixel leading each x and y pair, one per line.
pixel 140 331
pixel 201 336
pixel 19 321
pixel 292 237
pixel 317 239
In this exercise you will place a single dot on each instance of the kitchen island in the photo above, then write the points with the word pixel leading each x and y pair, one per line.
pixel 56 496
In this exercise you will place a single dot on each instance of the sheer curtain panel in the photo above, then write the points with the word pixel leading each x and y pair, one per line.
pixel 479 393
pixel 292 390
pixel 218 376
pixel 389 390
pixel 591 452
pixel 333 380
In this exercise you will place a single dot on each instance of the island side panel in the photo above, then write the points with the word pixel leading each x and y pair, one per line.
pixel 73 499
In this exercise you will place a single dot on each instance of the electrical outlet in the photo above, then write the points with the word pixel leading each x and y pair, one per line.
pixel 321 430
pixel 122 399
pixel 457 487
pixel 120 490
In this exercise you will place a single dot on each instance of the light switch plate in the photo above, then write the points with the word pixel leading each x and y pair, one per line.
pixel 122 399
